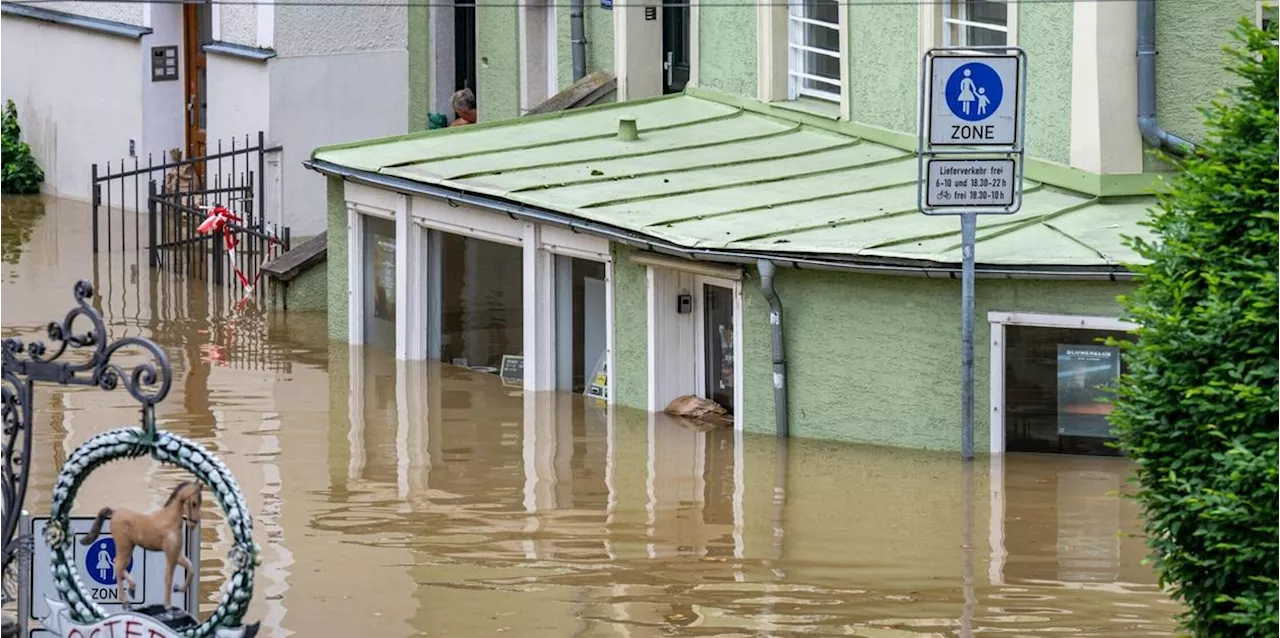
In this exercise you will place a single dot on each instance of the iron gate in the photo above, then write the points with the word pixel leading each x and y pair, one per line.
pixel 160 206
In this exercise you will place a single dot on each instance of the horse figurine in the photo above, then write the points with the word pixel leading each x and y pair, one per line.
pixel 162 530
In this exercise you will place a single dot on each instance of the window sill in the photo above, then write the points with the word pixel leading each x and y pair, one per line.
pixel 811 106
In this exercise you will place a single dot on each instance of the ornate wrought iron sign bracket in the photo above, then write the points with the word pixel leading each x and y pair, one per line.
pixel 148 382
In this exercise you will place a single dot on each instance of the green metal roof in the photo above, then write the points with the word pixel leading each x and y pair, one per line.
pixel 713 176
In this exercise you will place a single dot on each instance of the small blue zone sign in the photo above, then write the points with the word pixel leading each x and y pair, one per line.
pixel 974 92
pixel 101 562
pixel 606 4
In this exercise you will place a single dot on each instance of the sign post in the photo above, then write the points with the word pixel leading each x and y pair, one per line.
pixel 970 156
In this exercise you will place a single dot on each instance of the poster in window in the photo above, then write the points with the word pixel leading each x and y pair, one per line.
pixel 1084 373
pixel 384 281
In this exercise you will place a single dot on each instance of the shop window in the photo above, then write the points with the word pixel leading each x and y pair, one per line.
pixel 580 322
pixel 379 252
pixel 1055 396
pixel 476 301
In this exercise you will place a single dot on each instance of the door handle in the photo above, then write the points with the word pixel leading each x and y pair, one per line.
pixel 191 111
pixel 670 67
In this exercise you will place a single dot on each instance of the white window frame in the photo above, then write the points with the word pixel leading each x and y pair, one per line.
pixel 1266 11
pixel 700 338
pixel 951 13
pixel 356 212
pixel 998 320
pixel 773 58
pixel 796 48
pixel 669 366
pixel 559 241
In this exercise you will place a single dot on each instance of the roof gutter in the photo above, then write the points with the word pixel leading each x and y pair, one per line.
pixel 1148 125
pixel 640 241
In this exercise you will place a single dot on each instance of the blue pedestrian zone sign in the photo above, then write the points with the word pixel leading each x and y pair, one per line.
pixel 974 101
pixel 974 92
pixel 100 562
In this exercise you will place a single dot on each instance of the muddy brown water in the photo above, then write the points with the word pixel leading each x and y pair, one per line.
pixel 396 499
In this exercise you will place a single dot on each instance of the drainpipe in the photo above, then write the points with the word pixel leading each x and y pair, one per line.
pixel 767 270
pixel 1152 134
pixel 578 39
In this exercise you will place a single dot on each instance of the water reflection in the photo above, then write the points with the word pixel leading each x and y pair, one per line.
pixel 423 499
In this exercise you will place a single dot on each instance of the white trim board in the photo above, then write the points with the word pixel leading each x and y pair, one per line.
pixel 998 320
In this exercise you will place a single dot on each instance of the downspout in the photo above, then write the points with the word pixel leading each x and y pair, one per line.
pixel 767 270
pixel 1152 134
pixel 578 39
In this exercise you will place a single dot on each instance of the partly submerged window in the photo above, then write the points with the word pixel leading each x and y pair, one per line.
pixel 475 301
pixel 1056 394
pixel 379 254
pixel 972 23
pixel 813 49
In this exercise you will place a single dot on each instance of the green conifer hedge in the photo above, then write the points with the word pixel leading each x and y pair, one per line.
pixel 1197 408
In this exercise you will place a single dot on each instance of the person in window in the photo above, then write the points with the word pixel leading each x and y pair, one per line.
pixel 464 105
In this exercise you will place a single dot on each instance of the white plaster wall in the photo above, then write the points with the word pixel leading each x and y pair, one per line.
pixel 317 30
pixel 126 12
pixel 78 94
pixel 326 99
pixel 163 104
pixel 238 24
pixel 239 105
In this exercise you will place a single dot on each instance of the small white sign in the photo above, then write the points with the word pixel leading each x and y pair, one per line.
pixel 96 565
pixel 973 100
pixel 970 183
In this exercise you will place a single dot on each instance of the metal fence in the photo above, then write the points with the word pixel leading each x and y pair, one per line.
pixel 175 196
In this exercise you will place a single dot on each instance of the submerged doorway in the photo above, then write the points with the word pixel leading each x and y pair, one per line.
pixel 695 326
pixel 196 32
pixel 581 322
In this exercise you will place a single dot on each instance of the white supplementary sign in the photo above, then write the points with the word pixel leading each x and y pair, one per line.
pixel 96 565
pixel 971 182
pixel 974 100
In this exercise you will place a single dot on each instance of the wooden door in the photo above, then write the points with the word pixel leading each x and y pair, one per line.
pixel 195 33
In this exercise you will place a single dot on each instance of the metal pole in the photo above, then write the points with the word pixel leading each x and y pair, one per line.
pixel 152 253
pixel 97 199
pixel 968 232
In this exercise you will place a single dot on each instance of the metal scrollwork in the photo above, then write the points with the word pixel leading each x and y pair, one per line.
pixel 24 364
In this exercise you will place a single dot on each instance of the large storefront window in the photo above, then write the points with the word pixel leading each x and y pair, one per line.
pixel 476 301
pixel 580 322
pixel 1055 389
pixel 379 283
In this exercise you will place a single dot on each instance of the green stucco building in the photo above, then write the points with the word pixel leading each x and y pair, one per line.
pixel 771 183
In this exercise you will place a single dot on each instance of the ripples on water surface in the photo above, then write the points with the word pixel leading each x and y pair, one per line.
pixel 419 499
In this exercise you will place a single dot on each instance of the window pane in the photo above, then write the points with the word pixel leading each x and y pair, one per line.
pixel 1055 399
pixel 991 12
pixel 717 317
pixel 480 301
pixel 379 282
pixel 580 321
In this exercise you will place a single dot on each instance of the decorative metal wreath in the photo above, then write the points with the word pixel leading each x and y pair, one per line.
pixel 128 443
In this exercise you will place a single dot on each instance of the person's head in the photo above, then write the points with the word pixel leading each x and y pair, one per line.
pixel 464 104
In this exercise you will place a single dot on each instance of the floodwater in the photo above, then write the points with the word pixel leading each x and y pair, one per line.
pixel 398 499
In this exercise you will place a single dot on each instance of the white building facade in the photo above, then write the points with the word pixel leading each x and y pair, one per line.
pixel 97 82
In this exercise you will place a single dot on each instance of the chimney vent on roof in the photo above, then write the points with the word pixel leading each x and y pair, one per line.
pixel 627 130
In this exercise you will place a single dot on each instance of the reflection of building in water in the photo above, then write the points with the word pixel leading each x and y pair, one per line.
pixel 1083 535
pixel 494 482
